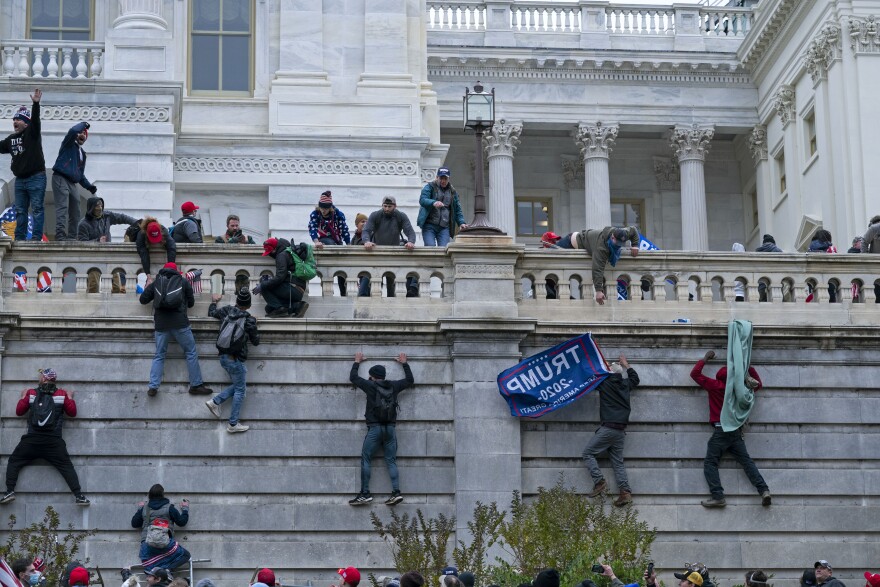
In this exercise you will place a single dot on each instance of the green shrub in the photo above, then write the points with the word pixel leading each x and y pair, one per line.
pixel 418 543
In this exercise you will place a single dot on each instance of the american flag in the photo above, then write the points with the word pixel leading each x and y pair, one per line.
pixel 19 279
pixel 8 223
pixel 44 282
pixel 7 577
pixel 195 279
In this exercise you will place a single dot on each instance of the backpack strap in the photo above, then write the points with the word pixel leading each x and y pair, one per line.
pixel 146 514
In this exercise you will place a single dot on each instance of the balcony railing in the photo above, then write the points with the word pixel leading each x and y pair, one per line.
pixel 657 287
pixel 52 59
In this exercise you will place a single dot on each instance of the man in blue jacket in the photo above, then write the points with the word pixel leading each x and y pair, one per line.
pixel 440 208
pixel 68 172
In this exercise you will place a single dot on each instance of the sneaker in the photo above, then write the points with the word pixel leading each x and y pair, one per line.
pixel 599 488
pixel 766 498
pixel 237 428
pixel 215 409
pixel 200 389
pixel 361 499
pixel 624 498
pixel 152 391
pixel 395 499
pixel 279 313
pixel 714 503
pixel 301 310
pixel 82 500
pixel 10 496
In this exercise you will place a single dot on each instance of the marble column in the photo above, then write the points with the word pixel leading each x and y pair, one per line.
pixel 140 14
pixel 301 43
pixel 763 185
pixel 691 143
pixel 386 48
pixel 500 144
pixel 596 141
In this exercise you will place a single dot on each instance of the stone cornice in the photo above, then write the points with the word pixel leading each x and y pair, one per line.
pixel 822 51
pixel 864 35
pixel 290 165
pixel 770 18
pixel 97 113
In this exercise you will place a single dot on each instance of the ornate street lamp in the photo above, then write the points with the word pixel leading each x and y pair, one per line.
pixel 479 114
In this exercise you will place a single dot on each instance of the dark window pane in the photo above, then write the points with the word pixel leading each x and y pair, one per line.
pixel 236 15
pixel 206 15
pixel 75 36
pixel 236 63
pixel 205 62
pixel 618 214
pixel 39 35
pixel 524 217
pixel 76 14
pixel 45 13
pixel 542 217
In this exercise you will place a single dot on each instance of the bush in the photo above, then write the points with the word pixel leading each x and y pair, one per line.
pixel 42 539
pixel 417 543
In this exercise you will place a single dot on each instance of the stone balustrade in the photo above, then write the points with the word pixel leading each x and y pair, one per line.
pixel 52 59
pixel 660 286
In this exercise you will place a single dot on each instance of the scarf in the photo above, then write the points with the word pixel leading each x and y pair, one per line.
pixel 613 252
pixel 327 225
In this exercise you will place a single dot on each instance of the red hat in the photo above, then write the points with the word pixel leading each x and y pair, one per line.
pixel 266 576
pixel 326 200
pixel 873 579
pixel 550 237
pixel 188 208
pixel 170 265
pixel 79 576
pixel 269 246
pixel 350 575
pixel 154 232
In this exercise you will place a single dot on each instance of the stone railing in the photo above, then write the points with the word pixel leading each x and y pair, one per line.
pixel 52 59
pixel 659 287
pixel 587 16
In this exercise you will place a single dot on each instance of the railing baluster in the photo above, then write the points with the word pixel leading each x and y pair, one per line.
pixel 53 62
pixel 38 61
pixel 24 68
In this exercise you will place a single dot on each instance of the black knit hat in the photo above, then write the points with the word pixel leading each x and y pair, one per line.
pixel 243 298
pixel 377 371
pixel 547 578
pixel 768 238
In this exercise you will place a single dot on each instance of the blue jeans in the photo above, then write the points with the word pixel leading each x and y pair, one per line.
pixel 187 342
pixel 30 193
pixel 238 373
pixel 435 236
pixel 386 434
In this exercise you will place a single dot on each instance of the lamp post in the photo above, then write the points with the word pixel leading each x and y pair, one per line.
pixel 479 114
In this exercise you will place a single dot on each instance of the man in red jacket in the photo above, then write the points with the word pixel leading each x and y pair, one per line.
pixel 726 441
pixel 47 405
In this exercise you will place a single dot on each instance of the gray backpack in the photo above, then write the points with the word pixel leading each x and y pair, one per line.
pixel 158 534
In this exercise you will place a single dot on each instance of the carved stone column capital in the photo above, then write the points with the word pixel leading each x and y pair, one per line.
pixel 596 140
pixel 864 35
pixel 758 143
pixel 822 51
pixel 691 142
pixel 783 103
pixel 502 139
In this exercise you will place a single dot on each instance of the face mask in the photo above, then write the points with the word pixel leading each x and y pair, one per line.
pixel 35 579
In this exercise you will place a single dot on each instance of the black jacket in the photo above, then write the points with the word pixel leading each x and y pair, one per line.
pixel 166 319
pixel 92 229
pixel 26 148
pixel 614 397
pixel 768 247
pixel 283 266
pixel 832 582
pixel 250 326
pixel 385 229
pixel 178 517
pixel 143 248
pixel 371 388
pixel 188 230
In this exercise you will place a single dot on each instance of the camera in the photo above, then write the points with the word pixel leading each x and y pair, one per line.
pixel 598 569
pixel 650 570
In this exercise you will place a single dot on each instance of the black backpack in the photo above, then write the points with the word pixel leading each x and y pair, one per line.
pixel 169 292
pixel 232 339
pixel 43 414
pixel 386 405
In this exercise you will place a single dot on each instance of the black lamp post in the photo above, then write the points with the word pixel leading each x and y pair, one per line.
pixel 479 114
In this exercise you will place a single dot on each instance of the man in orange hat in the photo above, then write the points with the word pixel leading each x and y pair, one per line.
pixel 188 229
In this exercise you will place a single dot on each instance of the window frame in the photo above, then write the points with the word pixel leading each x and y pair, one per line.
pixel 220 93
pixel 809 132
pixel 548 200
pixel 639 203
pixel 779 174
pixel 29 29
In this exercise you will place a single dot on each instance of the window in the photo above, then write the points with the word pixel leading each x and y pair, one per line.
pixel 533 216
pixel 782 186
pixel 60 20
pixel 753 196
pixel 810 133
pixel 221 47
pixel 627 213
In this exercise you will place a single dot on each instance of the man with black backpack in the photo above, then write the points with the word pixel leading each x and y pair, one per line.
pixel 47 405
pixel 381 416
pixel 188 229
pixel 237 326
pixel 171 295
pixel 294 267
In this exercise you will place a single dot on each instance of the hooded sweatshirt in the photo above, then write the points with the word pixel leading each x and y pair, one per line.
pixel 250 325
pixel 175 516
pixel 716 387
pixel 63 404
pixel 614 395
pixel 871 240
pixel 26 147
pixel 166 319
pixel 71 161
pixel 371 388
pixel 284 264
pixel 385 229
pixel 143 245
pixel 92 228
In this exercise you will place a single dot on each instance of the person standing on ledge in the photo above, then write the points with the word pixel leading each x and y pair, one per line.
pixel 69 172
pixel 28 166
pixel 439 210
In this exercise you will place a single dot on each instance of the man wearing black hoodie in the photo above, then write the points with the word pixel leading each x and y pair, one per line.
pixel 768 245
pixel 28 166
pixel 95 225
pixel 380 424
pixel 614 409
pixel 283 292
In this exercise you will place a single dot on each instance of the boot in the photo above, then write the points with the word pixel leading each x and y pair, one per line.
pixel 624 498
pixel 599 488
pixel 719 502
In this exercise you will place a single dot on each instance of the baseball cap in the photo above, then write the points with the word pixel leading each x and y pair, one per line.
pixel 389 200
pixel 550 237
pixel 154 232
pixel 449 571
pixel 619 235
pixel 822 563
pixel 692 576
pixel 79 576
pixel 169 265
pixel 188 207
pixel 266 576
pixel 873 579
pixel 443 172
pixel 350 575
pixel 269 246
pixel 161 574
pixel 808 579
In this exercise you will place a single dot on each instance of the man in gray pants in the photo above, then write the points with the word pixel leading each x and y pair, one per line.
pixel 614 411
pixel 68 173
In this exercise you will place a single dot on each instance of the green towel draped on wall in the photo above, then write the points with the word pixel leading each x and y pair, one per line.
pixel 738 398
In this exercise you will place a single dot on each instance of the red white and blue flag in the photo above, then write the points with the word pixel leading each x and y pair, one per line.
pixel 553 378
pixel 7 577
pixel 44 282
pixel 19 281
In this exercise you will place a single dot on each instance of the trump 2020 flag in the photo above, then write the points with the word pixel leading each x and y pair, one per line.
pixel 646 245
pixel 553 378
